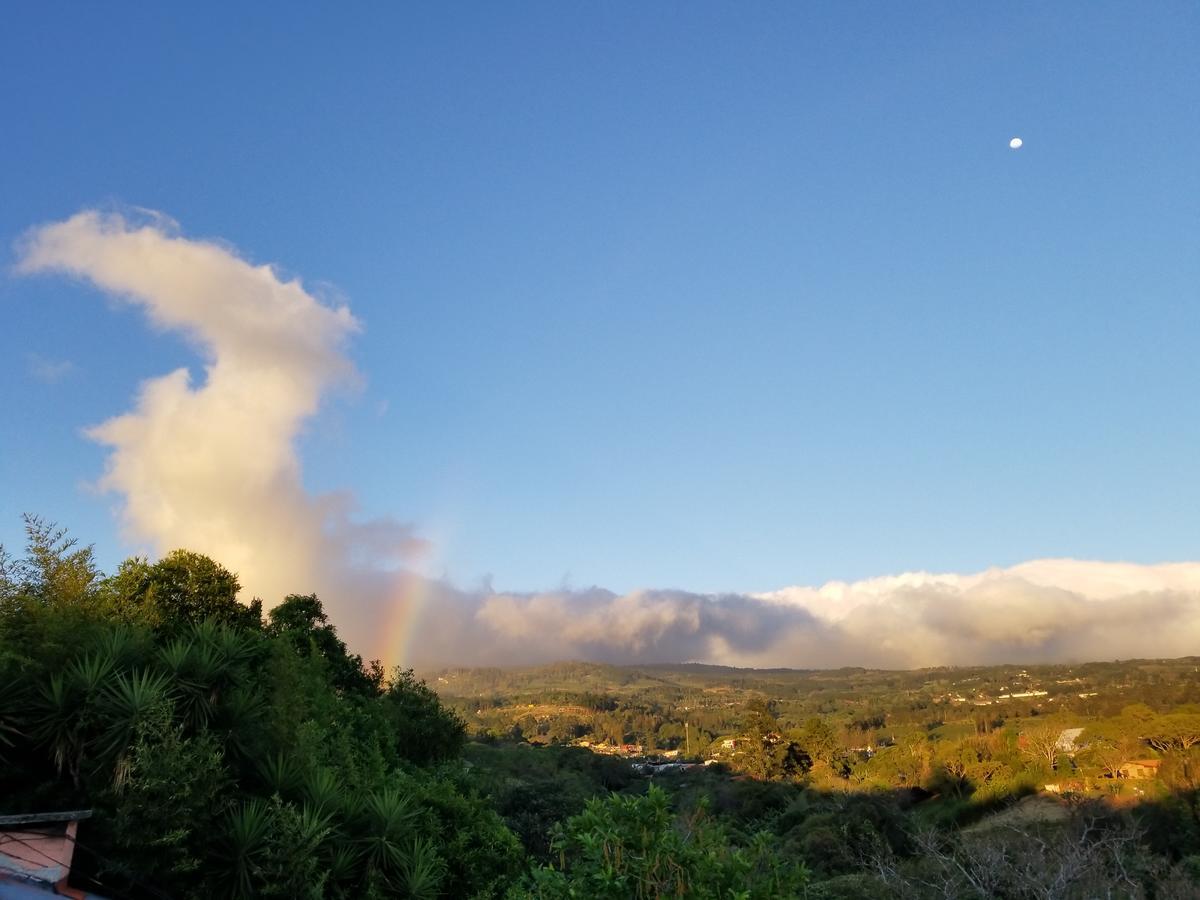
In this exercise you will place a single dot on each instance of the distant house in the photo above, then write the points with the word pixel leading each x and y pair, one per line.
pixel 1140 768
pixel 1066 787
pixel 672 768
pixel 36 851
pixel 1067 738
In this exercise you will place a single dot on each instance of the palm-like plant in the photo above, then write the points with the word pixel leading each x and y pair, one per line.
pixel 198 671
pixel 14 699
pixel 243 844
pixel 66 709
pixel 281 775
pixel 236 716
pixel 206 664
pixel 341 856
pixel 90 671
pixel 342 865
pixel 390 819
pixel 8 721
pixel 205 631
pixel 235 647
pixel 122 644
pixel 176 656
pixel 129 701
pixel 313 826
pixel 323 790
pixel 59 725
pixel 421 870
pixel 232 647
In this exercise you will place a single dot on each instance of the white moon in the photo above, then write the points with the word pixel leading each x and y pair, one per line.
pixel 1016 143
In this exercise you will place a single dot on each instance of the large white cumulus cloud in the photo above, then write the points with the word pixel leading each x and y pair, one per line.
pixel 209 463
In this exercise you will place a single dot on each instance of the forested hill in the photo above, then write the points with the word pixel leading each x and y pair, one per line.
pixel 656 700
pixel 227 751
pixel 565 676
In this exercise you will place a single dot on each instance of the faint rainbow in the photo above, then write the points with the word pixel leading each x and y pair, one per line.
pixel 411 591
pixel 399 623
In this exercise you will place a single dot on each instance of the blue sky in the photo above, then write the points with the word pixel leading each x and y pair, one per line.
pixel 691 295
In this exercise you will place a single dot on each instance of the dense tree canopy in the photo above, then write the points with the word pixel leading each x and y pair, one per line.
pixel 180 589
pixel 228 754
pixel 301 621
pixel 225 756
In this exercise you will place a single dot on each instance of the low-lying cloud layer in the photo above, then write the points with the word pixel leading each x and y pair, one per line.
pixel 1047 610
pixel 210 464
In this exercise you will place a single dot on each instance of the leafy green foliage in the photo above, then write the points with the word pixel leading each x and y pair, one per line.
pixel 300 620
pixel 223 758
pixel 763 752
pixel 635 847
pixel 55 569
pixel 156 827
pixel 181 589
pixel 227 757
pixel 535 789
pixel 425 730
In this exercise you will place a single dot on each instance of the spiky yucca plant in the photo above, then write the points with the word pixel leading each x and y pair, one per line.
pixel 421 870
pixel 129 700
pixel 67 710
pixel 389 819
pixel 281 775
pixel 324 791
pixel 242 846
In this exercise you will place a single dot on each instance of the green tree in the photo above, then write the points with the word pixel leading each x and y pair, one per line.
pixel 156 827
pixel 301 621
pixel 818 740
pixel 223 759
pixel 55 568
pixel 424 730
pixel 633 847
pixel 766 754
pixel 1179 731
pixel 181 589
pixel 1040 744
pixel 1111 743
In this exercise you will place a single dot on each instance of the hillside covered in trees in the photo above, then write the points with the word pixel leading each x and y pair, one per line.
pixel 225 750
pixel 857 728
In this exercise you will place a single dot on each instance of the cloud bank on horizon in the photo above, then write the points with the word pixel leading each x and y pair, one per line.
pixel 212 466
pixel 1055 610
